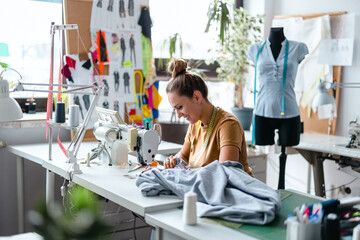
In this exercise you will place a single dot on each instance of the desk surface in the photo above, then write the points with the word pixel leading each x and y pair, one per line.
pixel 100 178
pixel 327 144
pixel 32 152
pixel 171 220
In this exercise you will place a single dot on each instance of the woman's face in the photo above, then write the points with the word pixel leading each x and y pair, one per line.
pixel 185 107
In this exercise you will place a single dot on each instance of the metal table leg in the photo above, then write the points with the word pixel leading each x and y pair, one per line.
pixel 50 184
pixel 20 192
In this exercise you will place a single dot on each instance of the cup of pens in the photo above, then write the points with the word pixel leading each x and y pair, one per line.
pixel 305 224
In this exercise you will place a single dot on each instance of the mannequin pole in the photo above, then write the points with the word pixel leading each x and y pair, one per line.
pixel 282 164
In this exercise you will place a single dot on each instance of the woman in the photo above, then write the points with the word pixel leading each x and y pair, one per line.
pixel 213 134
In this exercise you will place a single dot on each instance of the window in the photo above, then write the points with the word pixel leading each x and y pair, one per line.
pixel 26 30
pixel 189 19
pixel 186 17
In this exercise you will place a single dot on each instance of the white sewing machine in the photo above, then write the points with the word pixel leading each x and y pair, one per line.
pixel 117 138
pixel 354 131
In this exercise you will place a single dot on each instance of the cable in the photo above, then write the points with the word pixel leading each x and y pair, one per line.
pixel 343 185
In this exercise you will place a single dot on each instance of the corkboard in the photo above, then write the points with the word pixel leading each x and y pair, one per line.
pixel 313 124
pixel 79 12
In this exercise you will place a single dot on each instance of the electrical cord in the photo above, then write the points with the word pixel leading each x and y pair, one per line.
pixel 343 185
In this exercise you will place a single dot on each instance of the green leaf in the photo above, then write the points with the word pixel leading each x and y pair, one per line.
pixel 3 65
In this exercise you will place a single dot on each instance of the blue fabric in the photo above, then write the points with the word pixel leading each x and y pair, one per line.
pixel 224 190
pixel 270 77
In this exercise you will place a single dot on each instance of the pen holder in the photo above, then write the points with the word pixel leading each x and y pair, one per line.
pixel 302 231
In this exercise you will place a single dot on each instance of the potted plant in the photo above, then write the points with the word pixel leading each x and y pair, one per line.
pixel 231 54
pixel 80 218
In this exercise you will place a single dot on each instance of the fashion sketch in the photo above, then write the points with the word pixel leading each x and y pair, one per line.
pixel 77 102
pixel 123 48
pixel 86 99
pixel 116 80
pixel 106 87
pixel 116 105
pixel 126 78
pixel 105 104
pixel 110 6
pixel 122 12
pixel 131 13
pixel 132 48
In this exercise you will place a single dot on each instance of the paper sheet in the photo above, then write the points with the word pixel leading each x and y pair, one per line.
pixel 336 52
pixel 326 111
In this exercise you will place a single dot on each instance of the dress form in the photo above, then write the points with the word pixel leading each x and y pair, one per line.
pixel 276 37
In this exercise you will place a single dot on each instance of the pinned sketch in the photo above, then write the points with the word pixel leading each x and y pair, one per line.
pixel 336 52
pixel 115 15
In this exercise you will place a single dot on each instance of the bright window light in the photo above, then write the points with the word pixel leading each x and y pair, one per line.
pixel 189 19
pixel 26 30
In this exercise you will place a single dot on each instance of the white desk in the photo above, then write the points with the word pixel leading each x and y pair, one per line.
pixel 315 148
pixel 92 178
pixel 169 225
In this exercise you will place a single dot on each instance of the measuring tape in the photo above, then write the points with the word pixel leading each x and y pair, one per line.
pixel 283 85
pixel 208 133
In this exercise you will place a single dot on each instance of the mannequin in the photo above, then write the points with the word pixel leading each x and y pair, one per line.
pixel 276 109
pixel 276 37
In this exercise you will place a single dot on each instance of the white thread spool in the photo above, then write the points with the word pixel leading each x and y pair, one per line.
pixel 189 211
pixel 74 112
pixel 356 233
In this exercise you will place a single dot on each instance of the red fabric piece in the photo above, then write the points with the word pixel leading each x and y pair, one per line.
pixel 132 112
pixel 66 71
pixel 71 62
pixel 94 56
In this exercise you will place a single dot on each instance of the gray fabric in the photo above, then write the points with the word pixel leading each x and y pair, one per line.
pixel 223 190
pixel 270 78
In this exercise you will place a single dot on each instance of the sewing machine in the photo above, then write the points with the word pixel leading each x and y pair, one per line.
pixel 354 131
pixel 116 138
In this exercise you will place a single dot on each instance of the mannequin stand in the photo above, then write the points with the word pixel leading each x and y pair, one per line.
pixel 282 164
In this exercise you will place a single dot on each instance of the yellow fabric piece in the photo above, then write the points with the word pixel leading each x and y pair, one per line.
pixel 115 47
pixel 148 61
pixel 64 98
pixel 227 131
pixel 156 97
pixel 146 111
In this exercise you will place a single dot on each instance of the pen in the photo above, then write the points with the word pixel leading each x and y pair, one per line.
pixel 298 214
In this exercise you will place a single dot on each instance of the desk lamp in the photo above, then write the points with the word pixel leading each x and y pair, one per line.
pixel 324 98
pixel 9 108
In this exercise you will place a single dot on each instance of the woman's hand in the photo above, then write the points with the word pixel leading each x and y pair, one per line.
pixel 170 162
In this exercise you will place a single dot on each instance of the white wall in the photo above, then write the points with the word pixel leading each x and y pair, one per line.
pixel 297 174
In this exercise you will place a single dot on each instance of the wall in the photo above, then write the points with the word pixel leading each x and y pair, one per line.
pixel 349 105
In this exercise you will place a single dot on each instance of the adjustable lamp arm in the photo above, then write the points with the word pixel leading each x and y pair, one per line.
pixel 344 85
pixel 77 139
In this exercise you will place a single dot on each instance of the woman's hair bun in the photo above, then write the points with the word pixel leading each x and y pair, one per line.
pixel 177 67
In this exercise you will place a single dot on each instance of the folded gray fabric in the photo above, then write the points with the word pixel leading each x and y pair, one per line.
pixel 223 190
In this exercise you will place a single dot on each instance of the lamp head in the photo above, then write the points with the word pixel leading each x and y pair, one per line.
pixel 322 97
pixel 9 108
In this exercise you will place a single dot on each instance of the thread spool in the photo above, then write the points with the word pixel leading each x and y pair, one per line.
pixel 189 211
pixel 356 233
pixel 60 112
pixel 331 227
pixel 74 113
